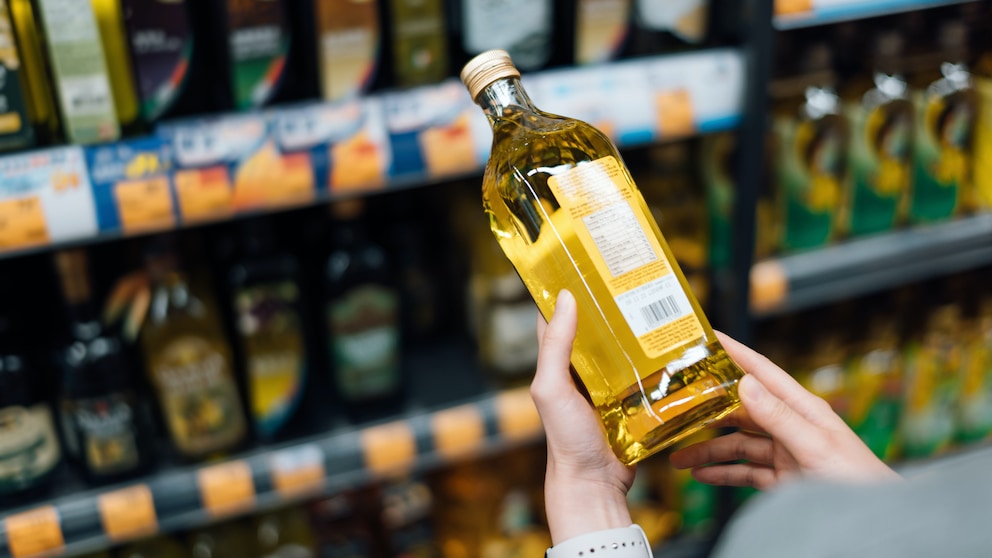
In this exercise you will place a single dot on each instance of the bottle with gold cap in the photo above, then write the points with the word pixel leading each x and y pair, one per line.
pixel 566 212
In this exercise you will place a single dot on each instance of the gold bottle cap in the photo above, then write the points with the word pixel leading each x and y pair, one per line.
pixel 486 68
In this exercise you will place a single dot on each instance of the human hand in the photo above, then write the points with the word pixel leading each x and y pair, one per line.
pixel 785 432
pixel 586 485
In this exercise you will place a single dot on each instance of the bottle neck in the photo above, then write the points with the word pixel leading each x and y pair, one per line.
pixel 504 98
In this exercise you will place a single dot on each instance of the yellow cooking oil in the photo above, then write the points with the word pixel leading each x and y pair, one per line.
pixel 567 214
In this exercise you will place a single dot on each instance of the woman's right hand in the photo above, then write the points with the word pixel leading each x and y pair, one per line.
pixel 784 432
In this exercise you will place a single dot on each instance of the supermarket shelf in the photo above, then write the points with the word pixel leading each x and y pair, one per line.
pixel 794 15
pixel 194 496
pixel 213 169
pixel 865 265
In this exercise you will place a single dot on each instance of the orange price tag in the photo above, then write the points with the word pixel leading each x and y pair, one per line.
pixel 389 447
pixel 516 415
pixel 226 488
pixel 458 431
pixel 22 223
pixel 298 470
pixel 145 204
pixel 128 513
pixel 769 286
pixel 449 150
pixel 295 185
pixel 33 533
pixel 356 164
pixel 204 193
pixel 793 7
pixel 675 114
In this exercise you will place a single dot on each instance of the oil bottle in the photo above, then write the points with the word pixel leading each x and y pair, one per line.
pixel 349 35
pixel 663 25
pixel 566 212
pixel 42 112
pixel 601 28
pixel 419 45
pixel 524 28
pixel 16 130
pixel 110 20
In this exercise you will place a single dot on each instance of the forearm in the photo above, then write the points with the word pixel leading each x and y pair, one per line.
pixel 576 508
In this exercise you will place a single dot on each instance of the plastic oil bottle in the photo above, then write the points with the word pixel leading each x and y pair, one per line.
pixel 566 212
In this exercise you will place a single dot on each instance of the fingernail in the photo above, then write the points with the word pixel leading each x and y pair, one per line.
pixel 751 389
pixel 565 300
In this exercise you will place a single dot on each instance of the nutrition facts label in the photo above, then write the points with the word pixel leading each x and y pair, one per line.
pixel 620 239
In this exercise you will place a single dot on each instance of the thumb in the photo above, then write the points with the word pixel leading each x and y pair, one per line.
pixel 777 419
pixel 552 380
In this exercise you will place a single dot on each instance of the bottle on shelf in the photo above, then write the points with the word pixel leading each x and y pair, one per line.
pixel 946 105
pixel 346 525
pixel 16 130
pixel 419 43
pixel 105 426
pixel 524 28
pixel 408 527
pixel 161 546
pixel 168 58
pixel 79 70
pixel 974 410
pixel 601 28
pixel 284 534
pixel 362 312
pixel 188 360
pixel 253 43
pixel 981 197
pixel 663 25
pixel 229 539
pixel 568 215
pixel 42 114
pixel 110 21
pixel 348 38
pixel 811 138
pixel 29 447
pixel 880 116
pixel 266 298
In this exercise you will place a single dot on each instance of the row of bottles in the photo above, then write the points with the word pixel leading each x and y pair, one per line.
pixel 260 343
pixel 862 144
pixel 913 377
pixel 88 71
pixel 489 507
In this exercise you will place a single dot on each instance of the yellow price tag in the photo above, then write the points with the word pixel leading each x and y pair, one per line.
pixel 298 470
pixel 36 532
pixel 204 194
pixel 675 113
pixel 128 513
pixel 793 7
pixel 458 431
pixel 295 185
pixel 22 223
pixel 389 447
pixel 449 150
pixel 226 488
pixel 145 204
pixel 516 415
pixel 356 164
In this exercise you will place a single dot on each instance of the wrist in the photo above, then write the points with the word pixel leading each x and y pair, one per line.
pixel 578 507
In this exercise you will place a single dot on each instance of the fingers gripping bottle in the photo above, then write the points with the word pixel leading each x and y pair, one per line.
pixel 568 216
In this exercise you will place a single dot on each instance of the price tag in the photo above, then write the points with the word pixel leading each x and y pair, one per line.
pixel 793 7
pixel 675 114
pixel 128 513
pixel 295 185
pixel 204 193
pixel 769 286
pixel 389 447
pixel 516 415
pixel 145 204
pixel 35 532
pixel 458 431
pixel 298 470
pixel 449 150
pixel 22 223
pixel 357 164
pixel 226 488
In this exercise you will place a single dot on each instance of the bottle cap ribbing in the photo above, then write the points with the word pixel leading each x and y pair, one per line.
pixel 486 68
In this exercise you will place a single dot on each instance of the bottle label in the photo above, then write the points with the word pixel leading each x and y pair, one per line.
pixel 521 27
pixel 982 179
pixel 876 399
pixel 349 46
pixel 365 342
pixel 28 446
pixel 810 173
pixel 197 394
pixel 600 30
pixel 684 18
pixel 80 71
pixel 942 149
pixel 272 337
pixel 931 393
pixel 975 407
pixel 605 208
pixel 881 145
pixel 258 42
pixel 14 129
pixel 419 44
pixel 162 47
pixel 101 432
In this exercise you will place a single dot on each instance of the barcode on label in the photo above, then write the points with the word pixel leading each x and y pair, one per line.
pixel 87 96
pixel 661 312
